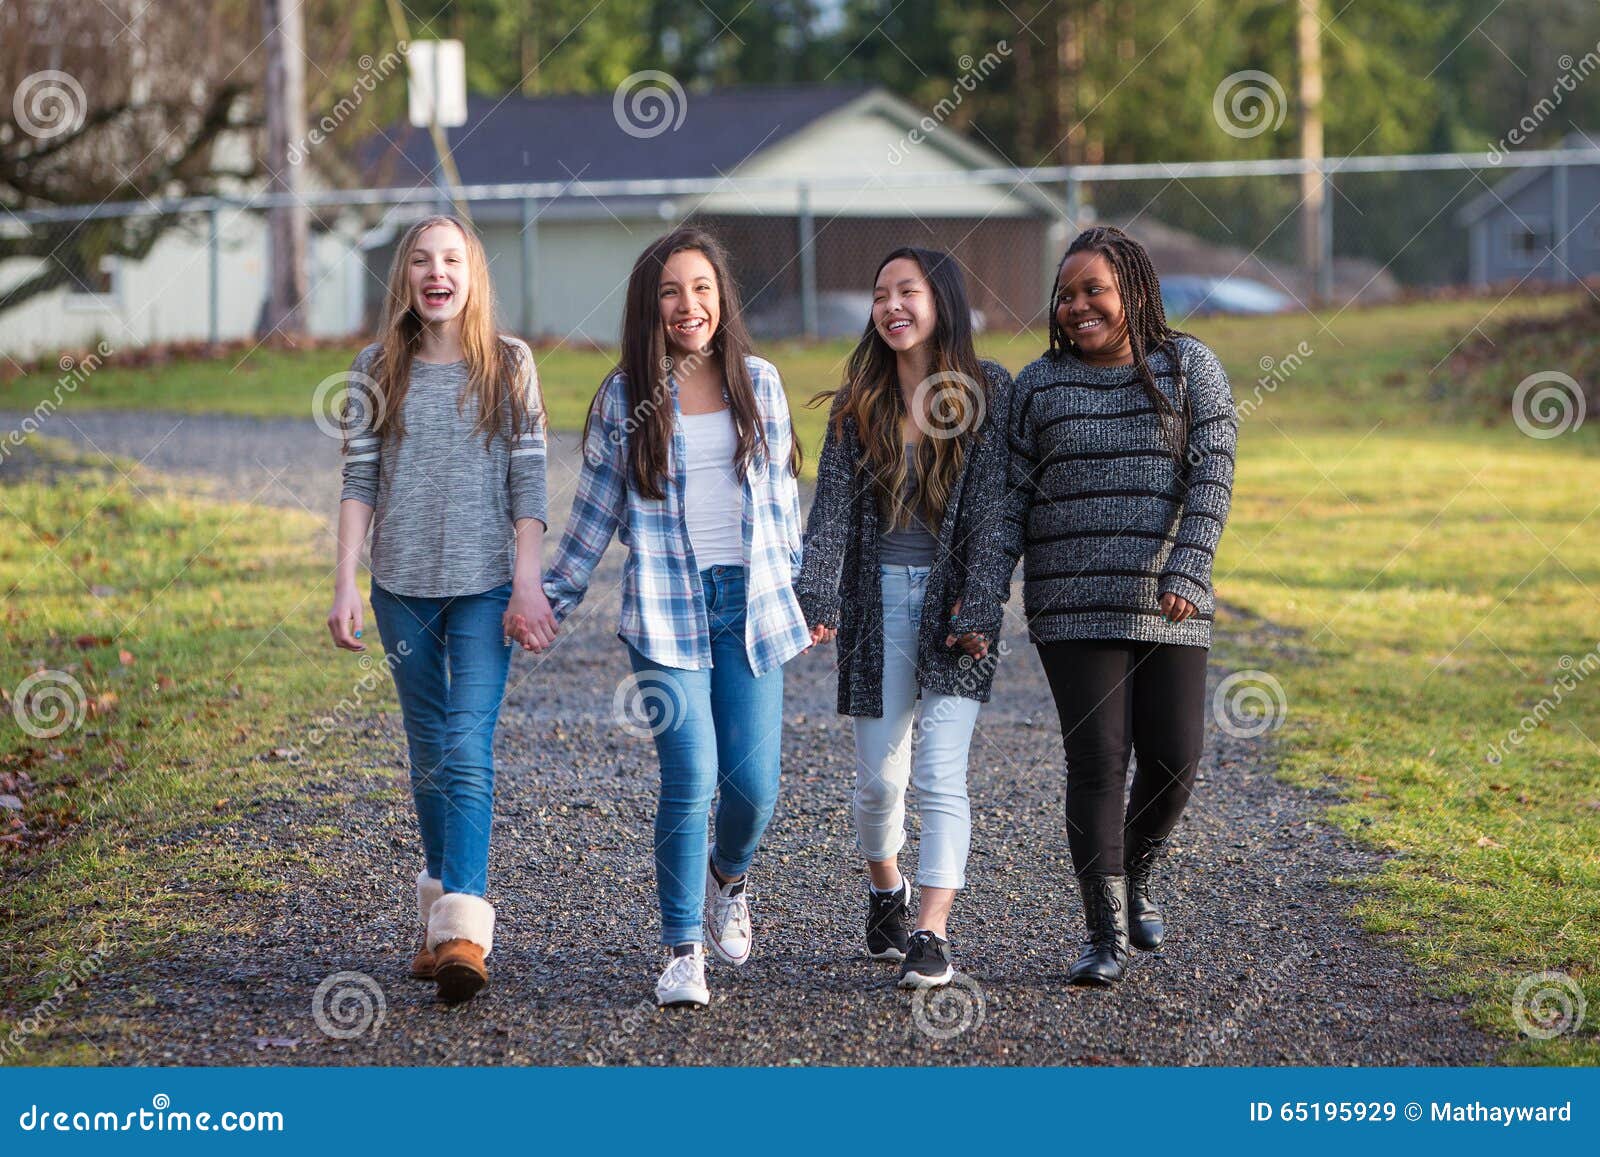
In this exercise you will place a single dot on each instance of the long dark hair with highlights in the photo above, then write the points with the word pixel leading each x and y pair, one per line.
pixel 1146 318
pixel 871 396
pixel 645 363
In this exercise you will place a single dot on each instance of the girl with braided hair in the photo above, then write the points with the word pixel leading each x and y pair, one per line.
pixel 1122 447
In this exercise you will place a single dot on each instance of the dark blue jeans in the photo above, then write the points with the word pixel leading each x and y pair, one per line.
pixel 451 678
pixel 718 729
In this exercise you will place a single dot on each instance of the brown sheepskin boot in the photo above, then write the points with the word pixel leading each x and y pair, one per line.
pixel 428 890
pixel 460 935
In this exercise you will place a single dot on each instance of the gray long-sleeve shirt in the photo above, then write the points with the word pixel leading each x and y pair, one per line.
pixel 445 509
pixel 1108 520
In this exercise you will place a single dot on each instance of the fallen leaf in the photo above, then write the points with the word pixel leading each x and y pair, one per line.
pixel 1486 842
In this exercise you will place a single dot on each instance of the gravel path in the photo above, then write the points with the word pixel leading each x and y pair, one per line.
pixel 1262 964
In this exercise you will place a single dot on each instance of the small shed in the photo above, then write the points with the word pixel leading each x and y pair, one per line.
pixel 1537 223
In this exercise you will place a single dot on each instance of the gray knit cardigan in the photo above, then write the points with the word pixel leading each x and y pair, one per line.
pixel 839 580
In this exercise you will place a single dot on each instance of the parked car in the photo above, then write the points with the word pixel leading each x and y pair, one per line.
pixel 1185 295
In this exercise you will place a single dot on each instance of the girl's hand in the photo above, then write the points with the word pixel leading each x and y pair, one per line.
pixel 821 634
pixel 529 619
pixel 344 620
pixel 974 644
pixel 1176 609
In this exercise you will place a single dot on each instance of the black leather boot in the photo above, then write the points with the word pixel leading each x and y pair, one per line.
pixel 1146 930
pixel 1105 952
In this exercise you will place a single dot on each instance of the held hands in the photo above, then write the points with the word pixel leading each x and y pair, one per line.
pixel 820 634
pixel 344 620
pixel 529 620
pixel 976 645
pixel 1175 609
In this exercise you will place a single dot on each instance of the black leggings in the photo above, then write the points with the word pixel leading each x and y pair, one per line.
pixel 1115 698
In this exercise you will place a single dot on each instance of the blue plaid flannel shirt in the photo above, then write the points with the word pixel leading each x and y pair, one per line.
pixel 663 606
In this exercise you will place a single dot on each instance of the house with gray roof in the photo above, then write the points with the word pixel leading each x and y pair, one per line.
pixel 853 168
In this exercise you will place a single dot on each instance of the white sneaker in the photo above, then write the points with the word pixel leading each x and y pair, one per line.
pixel 728 920
pixel 684 980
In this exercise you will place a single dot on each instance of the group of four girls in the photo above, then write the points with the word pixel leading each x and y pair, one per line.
pixel 1106 467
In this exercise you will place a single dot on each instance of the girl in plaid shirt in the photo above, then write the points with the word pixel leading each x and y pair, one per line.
pixel 690 459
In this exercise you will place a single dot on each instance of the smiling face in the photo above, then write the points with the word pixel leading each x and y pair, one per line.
pixel 690 304
pixel 1089 310
pixel 437 274
pixel 903 309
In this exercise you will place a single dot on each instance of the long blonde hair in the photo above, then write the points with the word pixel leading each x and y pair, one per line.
pixel 499 376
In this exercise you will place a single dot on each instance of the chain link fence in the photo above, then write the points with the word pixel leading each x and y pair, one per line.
pixel 1362 230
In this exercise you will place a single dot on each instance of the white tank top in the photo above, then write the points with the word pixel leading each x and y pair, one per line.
pixel 713 499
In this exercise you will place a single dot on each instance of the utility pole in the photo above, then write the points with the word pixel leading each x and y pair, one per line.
pixel 441 142
pixel 288 230
pixel 1313 192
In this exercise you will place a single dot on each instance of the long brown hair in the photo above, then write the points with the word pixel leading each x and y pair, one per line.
pixel 870 395
pixel 500 375
pixel 644 362
pixel 1148 331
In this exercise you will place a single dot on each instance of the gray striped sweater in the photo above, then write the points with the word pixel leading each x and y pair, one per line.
pixel 444 508
pixel 1105 517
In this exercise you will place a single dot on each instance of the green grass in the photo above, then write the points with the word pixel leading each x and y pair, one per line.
pixel 189 634
pixel 1427 577
pixel 1410 567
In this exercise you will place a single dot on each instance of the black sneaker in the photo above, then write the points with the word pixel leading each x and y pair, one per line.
pixel 927 963
pixel 888 922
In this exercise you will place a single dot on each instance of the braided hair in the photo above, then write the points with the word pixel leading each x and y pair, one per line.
pixel 1146 318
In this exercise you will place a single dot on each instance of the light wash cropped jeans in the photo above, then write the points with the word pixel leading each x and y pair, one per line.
pixel 888 755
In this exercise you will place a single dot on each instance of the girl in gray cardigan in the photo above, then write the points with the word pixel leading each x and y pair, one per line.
pixel 900 560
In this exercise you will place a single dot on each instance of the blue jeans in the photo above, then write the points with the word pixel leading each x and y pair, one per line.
pixel 718 728
pixel 449 658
